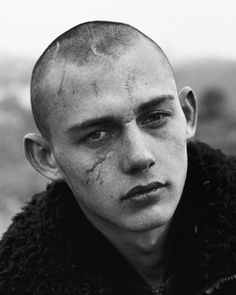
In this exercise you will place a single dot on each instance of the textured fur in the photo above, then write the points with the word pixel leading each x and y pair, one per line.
pixel 51 248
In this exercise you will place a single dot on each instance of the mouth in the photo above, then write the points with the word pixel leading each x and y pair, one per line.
pixel 140 191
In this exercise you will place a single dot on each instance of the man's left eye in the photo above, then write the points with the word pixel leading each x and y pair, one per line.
pixel 155 119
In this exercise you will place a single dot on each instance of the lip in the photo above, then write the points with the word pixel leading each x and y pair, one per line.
pixel 140 190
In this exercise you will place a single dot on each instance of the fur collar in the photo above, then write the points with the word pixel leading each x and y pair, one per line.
pixel 45 247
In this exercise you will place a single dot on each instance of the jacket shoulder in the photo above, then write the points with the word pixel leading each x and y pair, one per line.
pixel 31 248
pixel 215 207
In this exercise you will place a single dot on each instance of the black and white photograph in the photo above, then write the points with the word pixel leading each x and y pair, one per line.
pixel 118 147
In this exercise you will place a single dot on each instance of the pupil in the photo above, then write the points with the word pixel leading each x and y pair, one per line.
pixel 96 135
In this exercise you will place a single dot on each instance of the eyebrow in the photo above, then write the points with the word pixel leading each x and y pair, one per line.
pixel 91 123
pixel 109 119
pixel 154 102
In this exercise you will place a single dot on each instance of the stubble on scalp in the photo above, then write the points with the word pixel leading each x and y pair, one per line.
pixel 84 45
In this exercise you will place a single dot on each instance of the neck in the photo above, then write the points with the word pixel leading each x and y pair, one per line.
pixel 145 251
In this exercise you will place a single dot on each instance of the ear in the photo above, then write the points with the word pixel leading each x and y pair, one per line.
pixel 40 155
pixel 189 106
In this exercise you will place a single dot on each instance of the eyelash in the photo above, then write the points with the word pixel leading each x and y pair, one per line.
pixel 156 123
pixel 97 141
pixel 109 133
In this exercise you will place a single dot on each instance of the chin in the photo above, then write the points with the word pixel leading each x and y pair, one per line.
pixel 157 216
pixel 148 223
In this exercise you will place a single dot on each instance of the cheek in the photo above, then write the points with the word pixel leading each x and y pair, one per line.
pixel 171 149
pixel 86 169
pixel 177 163
pixel 177 147
pixel 174 134
pixel 177 133
pixel 94 172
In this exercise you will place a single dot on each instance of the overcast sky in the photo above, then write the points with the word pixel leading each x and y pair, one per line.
pixel 185 29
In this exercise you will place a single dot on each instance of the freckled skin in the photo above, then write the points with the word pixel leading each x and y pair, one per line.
pixel 100 175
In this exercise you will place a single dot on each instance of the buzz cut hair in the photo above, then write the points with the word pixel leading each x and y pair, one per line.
pixel 79 45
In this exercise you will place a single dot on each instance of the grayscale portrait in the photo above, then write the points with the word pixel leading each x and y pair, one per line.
pixel 138 158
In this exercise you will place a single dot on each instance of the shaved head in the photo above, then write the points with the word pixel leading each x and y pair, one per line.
pixel 84 45
pixel 105 101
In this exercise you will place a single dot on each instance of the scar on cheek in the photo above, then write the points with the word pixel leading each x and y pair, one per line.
pixel 96 164
pixel 98 176
pixel 94 173
pixel 88 180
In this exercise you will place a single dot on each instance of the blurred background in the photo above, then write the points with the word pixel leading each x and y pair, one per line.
pixel 197 36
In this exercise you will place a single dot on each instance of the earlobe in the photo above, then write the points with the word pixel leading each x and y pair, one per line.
pixel 39 153
pixel 189 106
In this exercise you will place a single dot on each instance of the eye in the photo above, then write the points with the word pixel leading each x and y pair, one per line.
pixel 155 119
pixel 98 135
pixel 98 138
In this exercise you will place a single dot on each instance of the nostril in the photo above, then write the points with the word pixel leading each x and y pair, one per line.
pixel 152 163
pixel 141 166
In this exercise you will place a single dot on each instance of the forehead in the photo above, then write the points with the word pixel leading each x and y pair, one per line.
pixel 105 86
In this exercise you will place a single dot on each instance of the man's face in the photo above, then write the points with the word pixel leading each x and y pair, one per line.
pixel 120 125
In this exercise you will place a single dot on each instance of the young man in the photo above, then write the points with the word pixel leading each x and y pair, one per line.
pixel 132 209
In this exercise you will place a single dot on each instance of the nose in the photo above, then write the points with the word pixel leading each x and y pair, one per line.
pixel 136 154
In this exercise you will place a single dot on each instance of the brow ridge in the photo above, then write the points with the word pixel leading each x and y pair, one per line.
pixel 108 119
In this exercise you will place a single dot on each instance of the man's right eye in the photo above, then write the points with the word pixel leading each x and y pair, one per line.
pixel 97 137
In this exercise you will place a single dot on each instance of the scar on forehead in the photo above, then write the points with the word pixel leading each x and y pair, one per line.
pixel 58 46
pixel 60 88
pixel 93 48
pixel 130 83
pixel 56 50
pixel 95 87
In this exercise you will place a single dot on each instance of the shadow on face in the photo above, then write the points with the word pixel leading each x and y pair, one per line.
pixel 116 125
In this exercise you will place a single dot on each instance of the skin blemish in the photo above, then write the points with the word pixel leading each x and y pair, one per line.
pixel 59 91
pixel 95 171
pixel 95 87
pixel 93 49
pixel 56 50
pixel 98 176
pixel 130 83
pixel 58 45
pixel 96 164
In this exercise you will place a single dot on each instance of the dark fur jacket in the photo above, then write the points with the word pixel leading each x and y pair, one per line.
pixel 51 248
